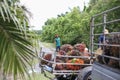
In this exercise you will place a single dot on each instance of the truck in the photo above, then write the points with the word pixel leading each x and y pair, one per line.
pixel 67 63
pixel 107 64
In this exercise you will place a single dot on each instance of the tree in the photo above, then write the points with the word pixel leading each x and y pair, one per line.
pixel 16 47
pixel 74 26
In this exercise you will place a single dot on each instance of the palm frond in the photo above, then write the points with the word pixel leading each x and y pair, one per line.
pixel 16 50
pixel 16 47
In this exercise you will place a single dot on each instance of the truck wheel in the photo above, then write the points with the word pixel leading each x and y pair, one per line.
pixel 87 76
pixel 70 77
pixel 60 77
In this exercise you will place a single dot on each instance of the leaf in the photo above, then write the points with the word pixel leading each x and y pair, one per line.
pixel 1 10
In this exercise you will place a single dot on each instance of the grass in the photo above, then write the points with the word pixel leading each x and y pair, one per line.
pixel 39 76
pixel 48 45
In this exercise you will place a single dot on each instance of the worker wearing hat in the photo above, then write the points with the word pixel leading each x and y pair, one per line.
pixel 101 38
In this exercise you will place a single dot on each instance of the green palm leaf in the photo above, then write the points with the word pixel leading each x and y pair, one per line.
pixel 15 50
pixel 16 46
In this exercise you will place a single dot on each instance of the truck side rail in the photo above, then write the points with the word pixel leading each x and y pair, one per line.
pixel 107 11
pixel 62 72
pixel 104 26
pixel 107 64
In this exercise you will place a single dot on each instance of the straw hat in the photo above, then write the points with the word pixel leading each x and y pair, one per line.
pixel 106 31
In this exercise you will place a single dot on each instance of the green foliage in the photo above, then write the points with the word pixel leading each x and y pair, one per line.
pixel 16 41
pixel 74 26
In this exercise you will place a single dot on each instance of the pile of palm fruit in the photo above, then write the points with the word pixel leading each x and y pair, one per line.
pixel 112 50
pixel 69 50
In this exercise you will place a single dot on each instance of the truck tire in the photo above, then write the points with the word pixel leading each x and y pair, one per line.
pixel 60 77
pixel 85 74
pixel 70 77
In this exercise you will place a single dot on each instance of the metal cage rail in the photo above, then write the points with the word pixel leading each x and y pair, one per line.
pixel 63 72
pixel 104 26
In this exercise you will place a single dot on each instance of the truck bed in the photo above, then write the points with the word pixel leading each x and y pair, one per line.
pixel 103 72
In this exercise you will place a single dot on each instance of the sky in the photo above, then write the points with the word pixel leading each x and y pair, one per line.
pixel 44 9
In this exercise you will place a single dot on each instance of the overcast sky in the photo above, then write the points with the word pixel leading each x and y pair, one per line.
pixel 44 9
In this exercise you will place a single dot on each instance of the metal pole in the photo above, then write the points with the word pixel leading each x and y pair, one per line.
pixel 104 27
pixel 107 11
pixel 54 65
pixel 92 37
pixel 104 35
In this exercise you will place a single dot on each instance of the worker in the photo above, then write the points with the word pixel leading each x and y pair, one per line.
pixel 57 42
pixel 101 37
